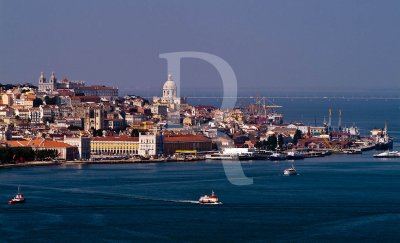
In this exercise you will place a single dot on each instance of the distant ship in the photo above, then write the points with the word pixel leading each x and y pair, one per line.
pixel 212 199
pixel 384 143
pixel 388 154
pixel 382 139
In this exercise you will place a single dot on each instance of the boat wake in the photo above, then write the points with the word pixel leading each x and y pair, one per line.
pixel 184 201
pixel 106 194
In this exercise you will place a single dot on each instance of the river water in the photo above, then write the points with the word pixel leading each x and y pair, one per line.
pixel 336 198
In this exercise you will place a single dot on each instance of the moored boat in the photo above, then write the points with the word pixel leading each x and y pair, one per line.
pixel 351 151
pixel 382 139
pixel 262 154
pixel 384 143
pixel 220 156
pixel 277 156
pixel 294 155
pixel 314 154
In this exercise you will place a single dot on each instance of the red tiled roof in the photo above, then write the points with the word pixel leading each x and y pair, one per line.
pixel 116 138
pixel 42 143
pixel 186 138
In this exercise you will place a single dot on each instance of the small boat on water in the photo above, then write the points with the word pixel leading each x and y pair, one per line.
pixel 19 198
pixel 212 199
pixel 290 171
pixel 388 154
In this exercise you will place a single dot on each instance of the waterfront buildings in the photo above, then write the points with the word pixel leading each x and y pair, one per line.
pixel 114 145
pixel 65 151
pixel 82 143
pixel 98 124
pixel 196 143
pixel 150 144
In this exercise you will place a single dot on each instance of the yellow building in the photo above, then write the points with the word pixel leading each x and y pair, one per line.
pixel 114 145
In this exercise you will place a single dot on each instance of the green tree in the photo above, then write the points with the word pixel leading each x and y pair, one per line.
pixel 280 141
pixel 135 133
pixel 50 101
pixel 37 102
pixel 272 142
pixel 298 135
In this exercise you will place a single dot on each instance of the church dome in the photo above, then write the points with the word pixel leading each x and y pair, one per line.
pixel 169 84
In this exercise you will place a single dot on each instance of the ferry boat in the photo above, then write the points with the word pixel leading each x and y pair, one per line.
pixel 19 198
pixel 388 154
pixel 212 199
pixel 290 171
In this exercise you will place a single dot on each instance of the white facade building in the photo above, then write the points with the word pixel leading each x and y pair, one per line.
pixel 150 145
pixel 47 86
pixel 83 144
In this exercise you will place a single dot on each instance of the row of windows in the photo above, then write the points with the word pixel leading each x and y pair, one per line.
pixel 114 146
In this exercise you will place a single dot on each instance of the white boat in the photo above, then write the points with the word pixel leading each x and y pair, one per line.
pixel 388 154
pixel 290 171
pixel 220 156
pixel 19 198
pixel 212 199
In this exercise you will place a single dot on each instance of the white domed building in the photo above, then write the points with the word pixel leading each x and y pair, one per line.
pixel 169 95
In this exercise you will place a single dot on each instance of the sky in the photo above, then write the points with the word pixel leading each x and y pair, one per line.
pixel 297 46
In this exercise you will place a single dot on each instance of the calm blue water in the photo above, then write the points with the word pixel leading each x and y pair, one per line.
pixel 337 198
pixel 334 198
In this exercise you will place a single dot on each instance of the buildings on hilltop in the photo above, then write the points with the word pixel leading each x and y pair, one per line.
pixel 102 91
pixel 83 122
pixel 53 86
